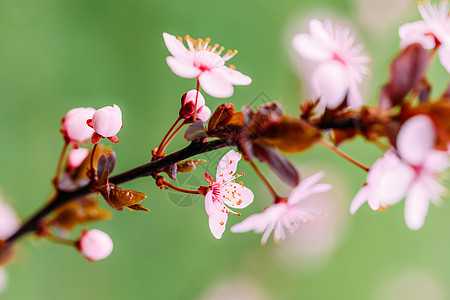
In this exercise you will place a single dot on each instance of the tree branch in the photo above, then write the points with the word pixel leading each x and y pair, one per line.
pixel 148 169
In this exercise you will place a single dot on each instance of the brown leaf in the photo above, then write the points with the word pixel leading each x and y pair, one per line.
pixel 120 198
pixel 290 134
pixel 138 207
pixel 77 212
pixel 221 116
pixel 188 165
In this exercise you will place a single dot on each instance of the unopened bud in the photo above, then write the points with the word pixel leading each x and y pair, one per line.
pixel 74 126
pixel 95 245
pixel 188 105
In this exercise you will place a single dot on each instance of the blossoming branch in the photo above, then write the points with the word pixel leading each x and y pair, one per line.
pixel 411 128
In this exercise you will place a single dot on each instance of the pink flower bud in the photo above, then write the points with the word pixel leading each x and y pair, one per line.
pixel 204 113
pixel 188 104
pixel 9 222
pixel 74 125
pixel 107 122
pixel 95 245
pixel 76 157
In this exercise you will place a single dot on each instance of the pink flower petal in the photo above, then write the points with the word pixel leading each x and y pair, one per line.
pixel 416 206
pixel 307 187
pixel 256 222
pixel 238 196
pixel 394 184
pixel 320 33
pixel 215 83
pixel 416 32
pixel 175 47
pixel 9 222
pixel 309 48
pixel 76 157
pixel 236 77
pixel 359 199
pixel 330 83
pixel 227 166
pixel 204 113
pixel 3 279
pixel 107 121
pixel 415 139
pixel 182 67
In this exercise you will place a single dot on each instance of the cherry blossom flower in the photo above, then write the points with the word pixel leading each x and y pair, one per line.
pixel 74 127
pixel 95 245
pixel 202 61
pixel 76 157
pixel 9 222
pixel 3 279
pixel 432 32
pixel 340 63
pixel 413 172
pixel 188 104
pixel 224 192
pixel 106 122
pixel 289 214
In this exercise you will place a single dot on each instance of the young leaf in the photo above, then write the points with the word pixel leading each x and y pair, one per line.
pixel 196 131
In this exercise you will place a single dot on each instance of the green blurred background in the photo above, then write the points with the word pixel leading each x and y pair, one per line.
pixel 56 55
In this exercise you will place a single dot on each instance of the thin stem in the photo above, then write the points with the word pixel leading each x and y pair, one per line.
pixel 160 147
pixel 59 165
pixel 172 136
pixel 194 118
pixel 62 197
pixel 266 182
pixel 344 155
pixel 180 189
pixel 60 240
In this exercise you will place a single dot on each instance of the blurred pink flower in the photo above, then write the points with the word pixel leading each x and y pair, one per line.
pixel 74 126
pixel 432 32
pixel 9 222
pixel 95 245
pixel 290 214
pixel 224 191
pixel 76 157
pixel 414 174
pixel 188 103
pixel 202 61
pixel 106 122
pixel 341 63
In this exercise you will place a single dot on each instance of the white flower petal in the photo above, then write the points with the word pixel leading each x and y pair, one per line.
pixel 237 196
pixel 416 32
pixel 330 82
pixel 236 77
pixel 215 83
pixel 416 137
pixel 309 48
pixel 218 225
pixel 227 166
pixel 416 206
pixel 182 67
pixel 307 187
pixel 175 47
pixel 320 33
pixel 3 279
pixel 256 222
pixel 394 184
pixel 359 199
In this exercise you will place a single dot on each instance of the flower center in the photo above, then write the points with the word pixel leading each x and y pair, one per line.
pixel 338 58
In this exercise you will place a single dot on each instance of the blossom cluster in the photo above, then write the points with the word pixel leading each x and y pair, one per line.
pixel 415 127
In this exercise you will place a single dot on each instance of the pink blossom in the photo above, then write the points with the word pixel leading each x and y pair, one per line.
pixel 95 245
pixel 202 61
pixel 188 104
pixel 74 126
pixel 9 222
pixel 340 63
pixel 432 32
pixel 106 122
pixel 413 172
pixel 290 214
pixel 76 157
pixel 224 193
